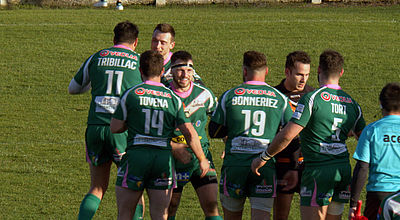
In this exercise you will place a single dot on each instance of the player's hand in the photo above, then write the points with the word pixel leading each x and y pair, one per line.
pixel 223 152
pixel 352 212
pixel 291 178
pixel 204 166
pixel 180 152
pixel 257 164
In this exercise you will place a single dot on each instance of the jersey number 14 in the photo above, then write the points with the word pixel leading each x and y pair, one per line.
pixel 153 120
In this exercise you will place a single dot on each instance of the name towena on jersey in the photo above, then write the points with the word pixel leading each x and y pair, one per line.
pixel 152 101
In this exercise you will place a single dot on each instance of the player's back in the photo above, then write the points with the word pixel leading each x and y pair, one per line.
pixel 253 114
pixel 328 115
pixel 110 71
pixel 152 112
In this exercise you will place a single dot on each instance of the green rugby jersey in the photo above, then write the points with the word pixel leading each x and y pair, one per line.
pixel 151 112
pixel 252 112
pixel 109 72
pixel 328 115
pixel 390 208
pixel 199 102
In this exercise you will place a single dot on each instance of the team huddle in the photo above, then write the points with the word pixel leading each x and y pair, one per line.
pixel 149 113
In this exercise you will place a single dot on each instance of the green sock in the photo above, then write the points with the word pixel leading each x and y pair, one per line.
pixel 171 218
pixel 88 207
pixel 214 218
pixel 138 213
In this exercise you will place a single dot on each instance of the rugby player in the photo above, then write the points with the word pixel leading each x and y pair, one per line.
pixel 378 155
pixel 163 41
pixel 249 115
pixel 109 73
pixel 390 208
pixel 289 161
pixel 324 117
pixel 199 102
pixel 150 113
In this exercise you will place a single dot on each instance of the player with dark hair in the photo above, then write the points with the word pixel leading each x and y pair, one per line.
pixel 324 117
pixel 378 155
pixel 109 73
pixel 163 41
pixel 199 102
pixel 150 113
pixel 249 115
pixel 289 161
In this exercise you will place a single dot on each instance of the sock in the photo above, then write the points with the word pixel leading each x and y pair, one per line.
pixel 213 218
pixel 138 213
pixel 171 218
pixel 88 207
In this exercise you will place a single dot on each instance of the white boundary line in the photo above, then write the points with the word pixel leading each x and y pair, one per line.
pixel 222 22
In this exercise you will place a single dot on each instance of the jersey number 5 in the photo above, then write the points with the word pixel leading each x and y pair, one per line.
pixel 336 129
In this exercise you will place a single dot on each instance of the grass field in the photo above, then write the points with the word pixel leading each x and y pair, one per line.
pixel 43 173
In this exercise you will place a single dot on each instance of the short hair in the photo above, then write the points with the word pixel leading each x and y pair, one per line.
pixel 151 63
pixel 181 55
pixel 331 63
pixel 254 60
pixel 390 97
pixel 166 28
pixel 297 56
pixel 125 32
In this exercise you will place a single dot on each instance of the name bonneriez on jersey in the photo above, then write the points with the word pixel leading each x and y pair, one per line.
pixel 254 101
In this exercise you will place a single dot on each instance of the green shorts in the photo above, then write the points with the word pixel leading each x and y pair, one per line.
pixel 103 146
pixel 240 182
pixel 322 184
pixel 189 172
pixel 146 167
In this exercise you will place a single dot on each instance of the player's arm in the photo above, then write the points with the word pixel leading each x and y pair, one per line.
pixel 216 130
pixel 192 138
pixel 75 88
pixel 360 175
pixel 117 126
pixel 180 152
pixel 280 142
pixel 81 82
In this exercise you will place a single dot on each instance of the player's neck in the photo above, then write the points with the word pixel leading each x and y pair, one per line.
pixel 167 57
pixel 156 79
pixel 128 45
pixel 386 113
pixel 333 82
pixel 288 87
pixel 181 89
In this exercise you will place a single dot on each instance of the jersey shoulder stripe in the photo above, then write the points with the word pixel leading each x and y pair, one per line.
pixel 312 98
pixel 123 100
pixel 210 95
pixel 175 96
pixel 86 79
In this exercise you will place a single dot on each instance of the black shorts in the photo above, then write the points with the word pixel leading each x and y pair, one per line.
pixel 197 182
pixel 281 170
